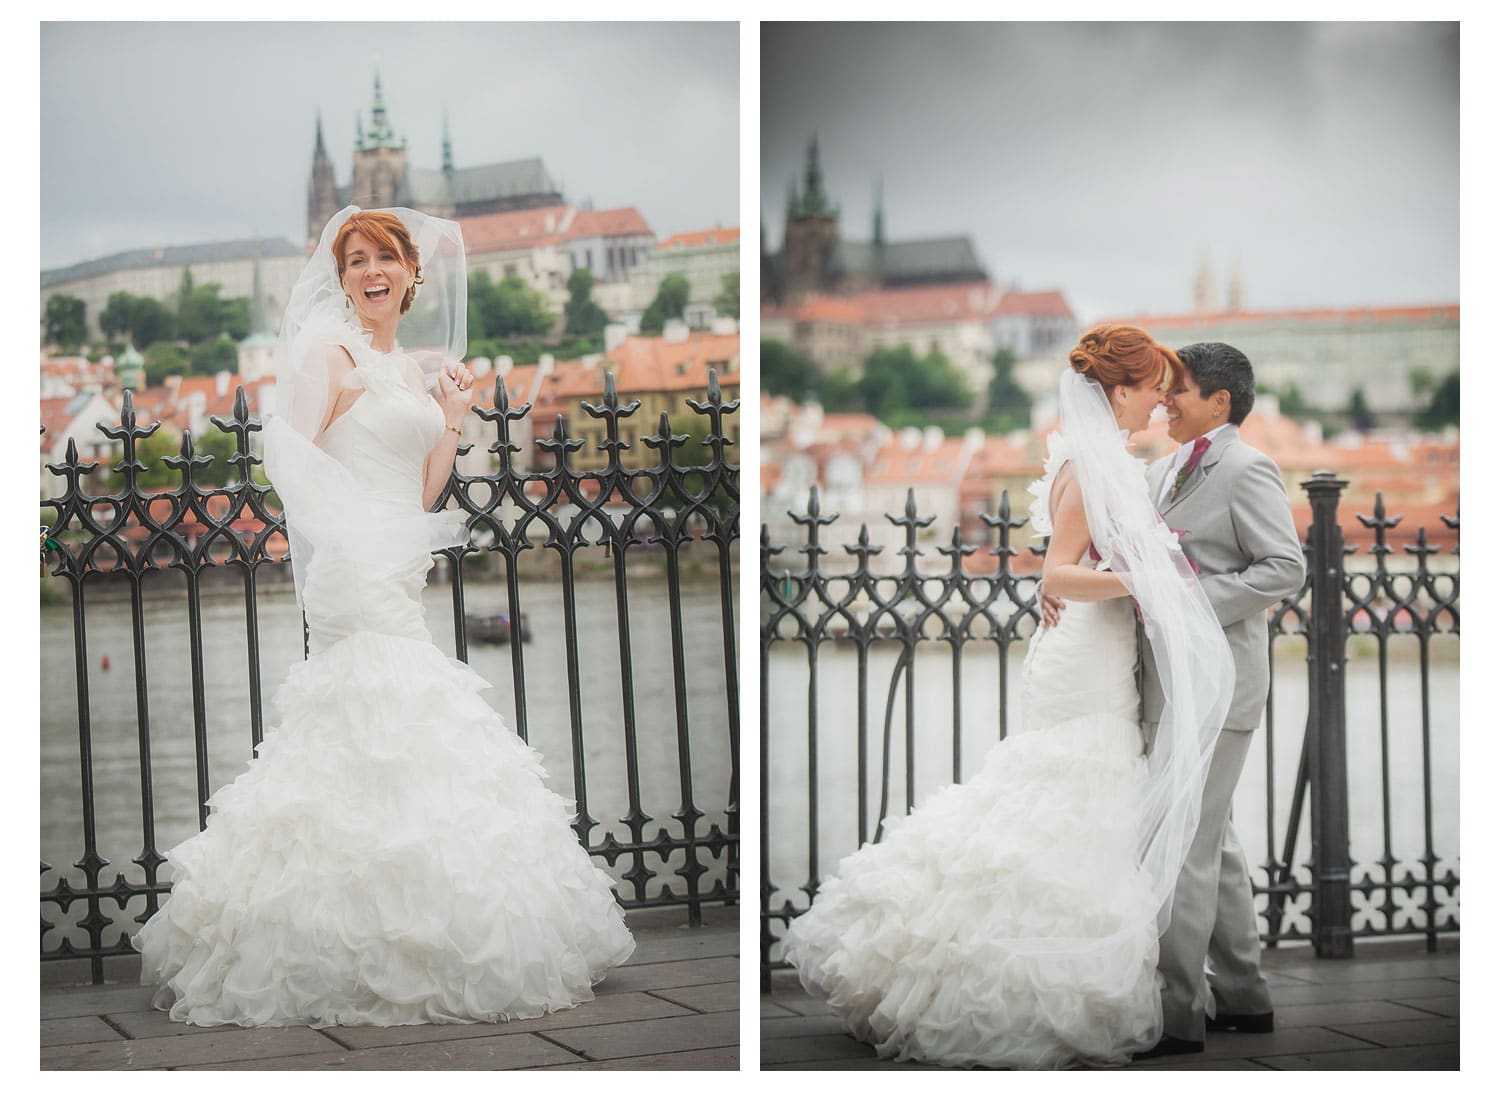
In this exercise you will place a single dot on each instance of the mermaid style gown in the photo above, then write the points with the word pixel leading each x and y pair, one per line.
pixel 392 855
pixel 907 941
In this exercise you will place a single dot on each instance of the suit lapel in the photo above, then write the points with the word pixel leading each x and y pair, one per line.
pixel 1155 476
pixel 1223 440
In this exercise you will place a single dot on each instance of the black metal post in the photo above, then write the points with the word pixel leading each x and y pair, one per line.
pixel 1331 860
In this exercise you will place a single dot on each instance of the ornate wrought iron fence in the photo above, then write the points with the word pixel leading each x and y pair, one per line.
pixel 655 509
pixel 806 606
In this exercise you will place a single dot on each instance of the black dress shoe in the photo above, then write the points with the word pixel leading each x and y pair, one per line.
pixel 1255 1022
pixel 1169 1045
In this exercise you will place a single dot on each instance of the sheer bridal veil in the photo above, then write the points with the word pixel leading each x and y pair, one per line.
pixel 1191 654
pixel 327 513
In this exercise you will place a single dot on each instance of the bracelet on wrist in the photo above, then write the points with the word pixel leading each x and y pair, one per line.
pixel 455 431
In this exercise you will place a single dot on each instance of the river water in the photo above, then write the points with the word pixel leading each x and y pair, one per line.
pixel 837 756
pixel 115 738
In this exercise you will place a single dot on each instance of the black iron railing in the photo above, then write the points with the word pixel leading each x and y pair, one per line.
pixel 885 617
pixel 650 512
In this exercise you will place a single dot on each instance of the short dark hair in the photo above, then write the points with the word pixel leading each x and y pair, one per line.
pixel 1214 366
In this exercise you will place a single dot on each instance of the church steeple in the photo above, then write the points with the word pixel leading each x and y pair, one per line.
pixel 814 200
pixel 381 134
pixel 257 292
pixel 879 213
pixel 322 197
pixel 447 148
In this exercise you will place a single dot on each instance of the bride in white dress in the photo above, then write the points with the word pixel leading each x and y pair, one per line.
pixel 392 855
pixel 1013 920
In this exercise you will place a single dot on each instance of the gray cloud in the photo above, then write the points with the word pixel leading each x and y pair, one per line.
pixel 171 133
pixel 1104 158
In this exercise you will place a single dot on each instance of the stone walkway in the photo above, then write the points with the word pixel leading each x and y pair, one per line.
pixel 1392 1007
pixel 674 1005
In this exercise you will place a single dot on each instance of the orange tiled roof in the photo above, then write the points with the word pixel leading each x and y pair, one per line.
pixel 946 302
pixel 946 463
pixel 1047 303
pixel 510 229
pixel 700 238
pixel 624 221
pixel 54 418
pixel 207 385
pixel 1383 315
pixel 647 364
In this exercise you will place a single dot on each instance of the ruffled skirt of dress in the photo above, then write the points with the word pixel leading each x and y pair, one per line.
pixel 932 943
pixel 391 857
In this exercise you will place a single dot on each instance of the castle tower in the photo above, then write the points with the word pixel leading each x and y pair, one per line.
pixel 447 149
pixel 1204 287
pixel 1235 288
pixel 811 235
pixel 322 198
pixel 379 160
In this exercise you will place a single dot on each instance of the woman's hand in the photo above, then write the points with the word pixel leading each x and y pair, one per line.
pixel 456 386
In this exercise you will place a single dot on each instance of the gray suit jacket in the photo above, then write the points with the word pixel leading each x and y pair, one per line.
pixel 1235 518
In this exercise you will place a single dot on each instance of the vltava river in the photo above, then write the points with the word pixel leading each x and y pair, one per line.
pixel 116 755
pixel 837 755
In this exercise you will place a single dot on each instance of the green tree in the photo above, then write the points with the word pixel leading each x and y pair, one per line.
pixel 582 316
pixel 1008 403
pixel 839 392
pixel 114 319
pixel 894 380
pixel 784 370
pixel 143 320
pixel 727 301
pixel 202 314
pixel 163 358
pixel 151 452
pixel 64 321
pixel 1293 402
pixel 1445 405
pixel 670 302
pixel 219 446
pixel 212 356
pixel 509 308
pixel 1358 413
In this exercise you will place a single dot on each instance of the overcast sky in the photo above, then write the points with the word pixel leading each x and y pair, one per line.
pixel 180 133
pixel 1103 159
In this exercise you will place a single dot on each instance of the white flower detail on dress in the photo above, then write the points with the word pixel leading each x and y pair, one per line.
pixel 1040 489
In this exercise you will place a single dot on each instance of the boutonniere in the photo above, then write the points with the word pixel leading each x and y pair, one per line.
pixel 1197 450
pixel 1176 535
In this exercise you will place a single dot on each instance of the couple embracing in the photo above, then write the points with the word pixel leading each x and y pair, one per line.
pixel 1063 906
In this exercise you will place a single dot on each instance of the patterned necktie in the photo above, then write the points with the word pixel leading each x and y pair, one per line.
pixel 1198 449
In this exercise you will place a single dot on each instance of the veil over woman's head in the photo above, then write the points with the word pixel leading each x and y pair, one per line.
pixel 324 506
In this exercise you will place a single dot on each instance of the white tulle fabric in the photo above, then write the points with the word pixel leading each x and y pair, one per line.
pixel 1013 920
pixel 392 855
pixel 326 509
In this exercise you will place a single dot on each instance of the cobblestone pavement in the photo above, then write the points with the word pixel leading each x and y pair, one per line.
pixel 1392 1007
pixel 674 1005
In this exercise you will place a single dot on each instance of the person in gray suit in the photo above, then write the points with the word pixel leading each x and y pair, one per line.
pixel 1228 501
pixel 1229 504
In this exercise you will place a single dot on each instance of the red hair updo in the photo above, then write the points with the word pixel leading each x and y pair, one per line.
pixel 1123 355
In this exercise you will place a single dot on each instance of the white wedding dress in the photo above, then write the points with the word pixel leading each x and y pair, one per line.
pixel 392 855
pixel 932 943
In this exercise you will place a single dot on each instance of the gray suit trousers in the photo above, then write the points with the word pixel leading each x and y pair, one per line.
pixel 1212 914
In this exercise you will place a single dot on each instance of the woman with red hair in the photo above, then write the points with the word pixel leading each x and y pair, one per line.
pixel 1014 919
pixel 392 855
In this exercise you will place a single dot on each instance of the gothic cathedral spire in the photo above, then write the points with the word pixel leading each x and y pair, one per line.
pixel 447 148
pixel 322 197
